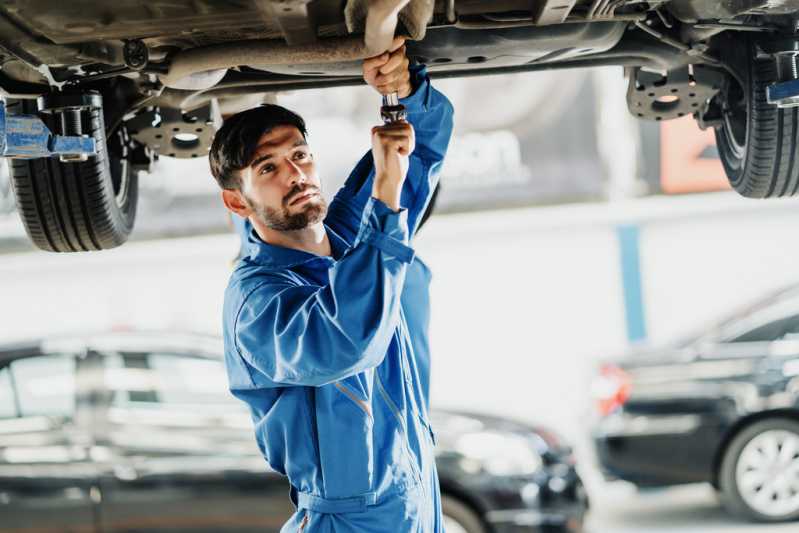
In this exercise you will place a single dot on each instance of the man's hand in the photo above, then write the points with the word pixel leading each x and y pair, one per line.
pixel 391 146
pixel 388 72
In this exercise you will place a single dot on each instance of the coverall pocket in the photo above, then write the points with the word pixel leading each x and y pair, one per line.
pixel 343 410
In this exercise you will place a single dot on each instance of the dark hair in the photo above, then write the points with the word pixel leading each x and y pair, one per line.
pixel 235 143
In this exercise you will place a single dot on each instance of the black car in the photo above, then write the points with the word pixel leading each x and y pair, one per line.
pixel 721 407
pixel 137 432
pixel 141 80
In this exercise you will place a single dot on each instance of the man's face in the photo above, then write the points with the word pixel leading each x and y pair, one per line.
pixel 280 185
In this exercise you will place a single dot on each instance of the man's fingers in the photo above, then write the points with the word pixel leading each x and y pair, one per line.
pixel 397 82
pixel 374 63
pixel 398 137
pixel 402 127
pixel 391 78
pixel 395 52
pixel 397 43
pixel 395 145
pixel 399 88
pixel 395 61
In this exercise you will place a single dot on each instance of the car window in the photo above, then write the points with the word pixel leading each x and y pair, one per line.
pixel 746 319
pixel 44 386
pixel 791 331
pixel 166 379
pixel 772 331
pixel 7 407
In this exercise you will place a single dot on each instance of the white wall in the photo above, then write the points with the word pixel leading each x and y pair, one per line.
pixel 524 302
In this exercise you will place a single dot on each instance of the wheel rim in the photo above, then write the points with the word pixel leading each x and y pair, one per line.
pixel 767 473
pixel 118 164
pixel 453 526
pixel 735 128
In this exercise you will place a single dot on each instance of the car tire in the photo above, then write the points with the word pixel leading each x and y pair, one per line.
pixel 460 518
pixel 738 493
pixel 76 206
pixel 757 141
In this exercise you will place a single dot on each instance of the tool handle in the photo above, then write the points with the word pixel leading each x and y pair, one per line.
pixel 392 111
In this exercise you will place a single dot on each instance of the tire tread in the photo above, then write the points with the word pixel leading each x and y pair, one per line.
pixel 70 207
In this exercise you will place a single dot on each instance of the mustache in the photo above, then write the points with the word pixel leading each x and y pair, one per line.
pixel 298 191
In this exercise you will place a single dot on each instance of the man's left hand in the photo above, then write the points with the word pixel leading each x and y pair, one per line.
pixel 388 72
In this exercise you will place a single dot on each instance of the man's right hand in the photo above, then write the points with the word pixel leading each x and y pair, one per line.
pixel 392 144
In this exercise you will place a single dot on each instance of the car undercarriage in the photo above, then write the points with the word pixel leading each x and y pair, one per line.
pixel 144 79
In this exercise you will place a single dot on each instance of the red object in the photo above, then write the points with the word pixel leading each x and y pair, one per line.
pixel 612 389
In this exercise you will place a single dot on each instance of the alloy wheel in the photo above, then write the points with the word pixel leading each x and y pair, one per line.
pixel 767 473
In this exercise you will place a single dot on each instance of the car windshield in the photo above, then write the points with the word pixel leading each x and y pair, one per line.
pixel 777 305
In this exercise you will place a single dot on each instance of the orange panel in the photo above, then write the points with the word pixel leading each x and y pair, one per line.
pixel 682 169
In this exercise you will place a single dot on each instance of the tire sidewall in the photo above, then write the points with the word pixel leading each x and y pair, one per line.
pixel 767 165
pixel 734 165
pixel 730 495
pixel 459 512
pixel 95 219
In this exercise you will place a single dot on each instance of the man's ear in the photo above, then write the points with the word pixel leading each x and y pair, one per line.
pixel 235 202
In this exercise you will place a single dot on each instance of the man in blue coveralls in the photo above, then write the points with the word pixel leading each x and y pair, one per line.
pixel 316 335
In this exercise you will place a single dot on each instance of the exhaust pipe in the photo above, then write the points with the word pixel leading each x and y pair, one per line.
pixel 202 68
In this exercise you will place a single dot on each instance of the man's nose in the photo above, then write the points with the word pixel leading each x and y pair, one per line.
pixel 296 174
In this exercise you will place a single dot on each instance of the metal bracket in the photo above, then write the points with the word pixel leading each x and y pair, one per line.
pixel 785 52
pixel 295 18
pixel 552 11
pixel 170 132
pixel 682 91
pixel 783 95
pixel 27 137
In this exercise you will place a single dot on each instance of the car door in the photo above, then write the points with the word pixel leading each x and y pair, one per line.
pixel 783 364
pixel 182 453
pixel 47 480
pixel 753 353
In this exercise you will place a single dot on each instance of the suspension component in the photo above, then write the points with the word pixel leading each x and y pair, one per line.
pixel 784 93
pixel 28 137
pixel 69 108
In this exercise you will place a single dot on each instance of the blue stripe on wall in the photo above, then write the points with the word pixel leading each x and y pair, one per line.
pixel 630 255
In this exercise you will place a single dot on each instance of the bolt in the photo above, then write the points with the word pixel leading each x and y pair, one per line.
pixel 136 54
pixel 786 65
pixel 71 122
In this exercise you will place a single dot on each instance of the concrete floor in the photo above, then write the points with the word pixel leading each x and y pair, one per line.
pixel 620 508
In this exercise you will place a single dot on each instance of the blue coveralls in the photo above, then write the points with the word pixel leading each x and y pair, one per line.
pixel 320 349
pixel 415 301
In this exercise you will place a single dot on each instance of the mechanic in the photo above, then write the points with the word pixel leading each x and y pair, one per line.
pixel 316 334
pixel 415 299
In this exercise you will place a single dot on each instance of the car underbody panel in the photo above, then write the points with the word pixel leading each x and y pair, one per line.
pixel 167 72
pixel 47 42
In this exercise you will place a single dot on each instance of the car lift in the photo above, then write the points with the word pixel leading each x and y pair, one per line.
pixel 28 137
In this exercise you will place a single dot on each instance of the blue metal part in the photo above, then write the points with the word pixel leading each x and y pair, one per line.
pixel 629 251
pixel 783 94
pixel 27 137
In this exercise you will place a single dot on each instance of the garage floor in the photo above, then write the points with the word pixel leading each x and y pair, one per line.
pixel 619 508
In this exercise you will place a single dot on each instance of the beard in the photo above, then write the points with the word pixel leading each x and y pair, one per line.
pixel 282 220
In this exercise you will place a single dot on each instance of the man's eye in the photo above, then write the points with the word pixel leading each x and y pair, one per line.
pixel 300 155
pixel 267 168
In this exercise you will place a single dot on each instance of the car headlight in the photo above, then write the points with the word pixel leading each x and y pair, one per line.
pixel 499 454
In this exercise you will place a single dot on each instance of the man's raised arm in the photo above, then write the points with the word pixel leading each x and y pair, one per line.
pixel 430 114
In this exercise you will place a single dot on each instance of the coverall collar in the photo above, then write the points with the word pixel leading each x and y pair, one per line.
pixel 277 257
